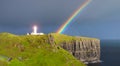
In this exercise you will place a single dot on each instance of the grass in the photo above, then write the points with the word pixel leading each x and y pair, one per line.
pixel 61 38
pixel 28 50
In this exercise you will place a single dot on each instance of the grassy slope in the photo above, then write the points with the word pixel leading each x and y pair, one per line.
pixel 33 51
pixel 61 38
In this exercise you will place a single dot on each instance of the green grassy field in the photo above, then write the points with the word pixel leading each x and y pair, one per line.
pixel 28 50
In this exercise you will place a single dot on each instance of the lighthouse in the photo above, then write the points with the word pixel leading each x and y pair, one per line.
pixel 35 28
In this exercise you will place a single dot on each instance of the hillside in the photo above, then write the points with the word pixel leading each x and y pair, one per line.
pixel 28 50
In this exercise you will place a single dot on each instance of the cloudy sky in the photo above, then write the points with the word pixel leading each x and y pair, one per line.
pixel 100 19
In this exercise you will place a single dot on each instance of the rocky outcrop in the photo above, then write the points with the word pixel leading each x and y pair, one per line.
pixel 87 50
pixel 84 49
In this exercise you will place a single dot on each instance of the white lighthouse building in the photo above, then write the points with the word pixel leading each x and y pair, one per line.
pixel 35 31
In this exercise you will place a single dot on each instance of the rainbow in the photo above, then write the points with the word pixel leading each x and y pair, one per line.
pixel 65 24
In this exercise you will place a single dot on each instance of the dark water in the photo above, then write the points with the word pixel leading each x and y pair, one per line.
pixel 110 53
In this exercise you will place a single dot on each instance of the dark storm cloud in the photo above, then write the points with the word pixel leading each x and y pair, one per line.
pixel 17 13
pixel 18 16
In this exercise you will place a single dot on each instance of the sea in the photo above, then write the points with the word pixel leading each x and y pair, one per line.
pixel 110 53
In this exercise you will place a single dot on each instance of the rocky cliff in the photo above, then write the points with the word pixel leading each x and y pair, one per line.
pixel 84 49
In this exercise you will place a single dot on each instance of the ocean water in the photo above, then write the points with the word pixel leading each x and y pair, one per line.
pixel 110 53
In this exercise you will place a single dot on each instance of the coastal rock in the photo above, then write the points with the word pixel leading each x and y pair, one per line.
pixel 86 50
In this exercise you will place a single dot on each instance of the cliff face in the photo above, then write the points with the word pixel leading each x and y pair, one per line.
pixel 86 50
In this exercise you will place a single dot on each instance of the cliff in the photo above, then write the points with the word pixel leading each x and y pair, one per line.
pixel 47 50
pixel 84 49
pixel 33 50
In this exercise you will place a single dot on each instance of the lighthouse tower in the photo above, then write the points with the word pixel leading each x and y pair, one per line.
pixel 35 29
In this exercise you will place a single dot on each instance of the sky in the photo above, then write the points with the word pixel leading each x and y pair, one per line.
pixel 100 19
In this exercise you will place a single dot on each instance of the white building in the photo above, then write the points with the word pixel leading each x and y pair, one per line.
pixel 35 31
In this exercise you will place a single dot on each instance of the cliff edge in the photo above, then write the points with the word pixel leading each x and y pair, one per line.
pixel 47 50
pixel 84 49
